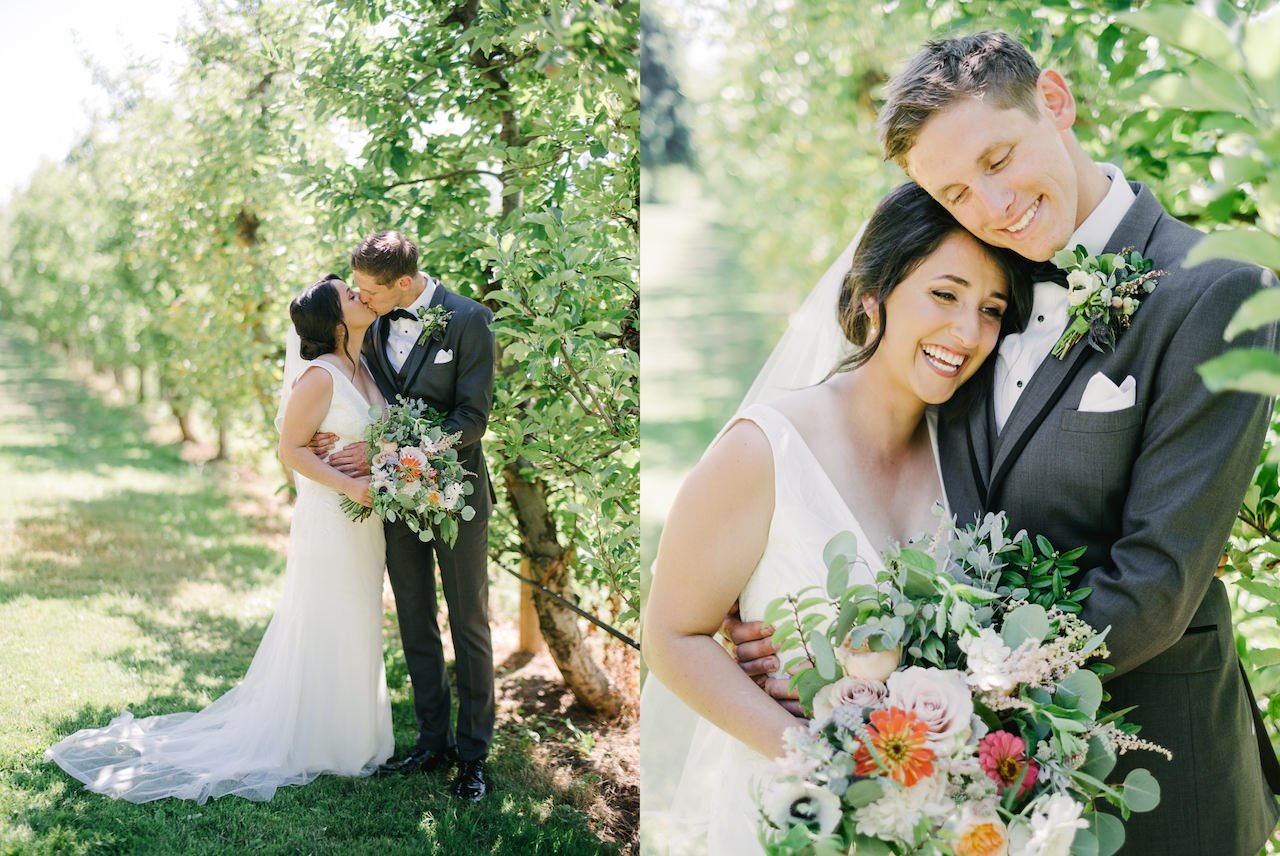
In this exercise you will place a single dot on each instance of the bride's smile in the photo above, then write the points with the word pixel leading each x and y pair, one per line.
pixel 941 321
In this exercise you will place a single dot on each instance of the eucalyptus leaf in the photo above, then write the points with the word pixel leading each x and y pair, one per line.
pixel 1141 790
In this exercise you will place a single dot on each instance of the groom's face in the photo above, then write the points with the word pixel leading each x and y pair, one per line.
pixel 1006 176
pixel 380 297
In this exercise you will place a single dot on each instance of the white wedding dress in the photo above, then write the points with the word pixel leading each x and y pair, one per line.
pixel 697 796
pixel 314 700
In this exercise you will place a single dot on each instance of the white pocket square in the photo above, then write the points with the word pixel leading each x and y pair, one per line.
pixel 1103 396
pixel 444 356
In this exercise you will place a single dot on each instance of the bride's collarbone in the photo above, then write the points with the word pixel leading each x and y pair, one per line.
pixel 891 499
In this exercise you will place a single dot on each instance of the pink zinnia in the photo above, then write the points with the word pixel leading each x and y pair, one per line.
pixel 1003 755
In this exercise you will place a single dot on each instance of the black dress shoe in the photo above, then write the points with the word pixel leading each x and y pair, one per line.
pixel 469 785
pixel 422 761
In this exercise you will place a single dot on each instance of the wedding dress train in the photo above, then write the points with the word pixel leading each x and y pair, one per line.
pixel 314 700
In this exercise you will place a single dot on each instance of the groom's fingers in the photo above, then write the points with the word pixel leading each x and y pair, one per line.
pixel 780 690
pixel 759 667
pixel 747 631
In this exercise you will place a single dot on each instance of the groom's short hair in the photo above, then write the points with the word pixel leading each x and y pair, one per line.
pixel 385 256
pixel 991 65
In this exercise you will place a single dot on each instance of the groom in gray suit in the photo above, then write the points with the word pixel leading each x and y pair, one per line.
pixel 449 367
pixel 1125 452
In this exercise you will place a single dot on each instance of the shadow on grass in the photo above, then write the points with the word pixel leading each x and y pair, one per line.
pixel 527 811
pixel 74 430
pixel 143 543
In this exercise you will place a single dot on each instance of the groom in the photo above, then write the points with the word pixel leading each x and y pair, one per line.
pixel 452 371
pixel 1149 482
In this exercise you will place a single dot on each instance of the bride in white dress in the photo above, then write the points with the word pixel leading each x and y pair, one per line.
pixel 314 700
pixel 923 305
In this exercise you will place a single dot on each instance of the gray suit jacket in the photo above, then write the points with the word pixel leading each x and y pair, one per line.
pixel 1151 491
pixel 461 387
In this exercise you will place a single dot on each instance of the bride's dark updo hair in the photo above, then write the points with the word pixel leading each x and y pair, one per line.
pixel 317 315
pixel 907 227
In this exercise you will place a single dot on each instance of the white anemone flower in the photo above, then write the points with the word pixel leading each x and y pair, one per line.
pixel 792 803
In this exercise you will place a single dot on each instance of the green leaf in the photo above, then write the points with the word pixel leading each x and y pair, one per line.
pixel 1248 245
pixel 863 792
pixel 1085 843
pixel 1141 790
pixel 824 658
pixel 837 575
pixel 1080 690
pixel 1187 28
pixel 843 544
pixel 1100 760
pixel 1259 310
pixel 1264 657
pixel 1026 622
pixel 1261 35
pixel 1246 370
pixel 1109 831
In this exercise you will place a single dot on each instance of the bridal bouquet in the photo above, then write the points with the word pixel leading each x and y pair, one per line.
pixel 414 472
pixel 956 708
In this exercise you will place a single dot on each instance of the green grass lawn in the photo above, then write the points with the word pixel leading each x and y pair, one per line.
pixel 130 578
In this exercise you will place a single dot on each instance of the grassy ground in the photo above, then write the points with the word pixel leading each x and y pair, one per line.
pixel 132 578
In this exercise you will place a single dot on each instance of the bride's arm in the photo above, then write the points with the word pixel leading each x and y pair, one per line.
pixel 714 535
pixel 305 410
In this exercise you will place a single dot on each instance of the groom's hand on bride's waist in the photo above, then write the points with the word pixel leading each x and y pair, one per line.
pixel 352 459
pixel 752 647
pixel 322 443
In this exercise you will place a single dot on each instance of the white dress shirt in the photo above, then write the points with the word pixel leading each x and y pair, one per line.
pixel 403 333
pixel 1021 353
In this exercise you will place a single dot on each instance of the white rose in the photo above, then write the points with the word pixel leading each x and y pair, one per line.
pixel 802 804
pixel 862 692
pixel 940 699
pixel 1050 830
pixel 865 663
pixel 987 655
pixel 1080 284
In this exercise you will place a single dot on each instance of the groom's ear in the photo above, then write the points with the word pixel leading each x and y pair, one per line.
pixel 1056 99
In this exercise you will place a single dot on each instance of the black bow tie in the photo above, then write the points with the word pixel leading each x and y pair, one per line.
pixel 1048 272
pixel 397 314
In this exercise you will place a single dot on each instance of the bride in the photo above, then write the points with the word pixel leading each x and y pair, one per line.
pixel 924 303
pixel 315 698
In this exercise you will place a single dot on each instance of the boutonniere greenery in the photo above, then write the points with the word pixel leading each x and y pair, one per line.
pixel 435 320
pixel 1104 292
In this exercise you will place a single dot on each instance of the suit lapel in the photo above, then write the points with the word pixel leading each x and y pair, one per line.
pixel 978 432
pixel 383 375
pixel 1043 391
pixel 1053 376
pixel 418 356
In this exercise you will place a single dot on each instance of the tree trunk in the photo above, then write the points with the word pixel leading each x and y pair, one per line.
pixel 224 450
pixel 184 422
pixel 539 543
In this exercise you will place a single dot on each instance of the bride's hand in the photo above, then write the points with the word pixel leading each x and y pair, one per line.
pixel 358 492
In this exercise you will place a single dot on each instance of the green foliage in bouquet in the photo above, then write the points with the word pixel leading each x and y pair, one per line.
pixel 984 624
pixel 922 600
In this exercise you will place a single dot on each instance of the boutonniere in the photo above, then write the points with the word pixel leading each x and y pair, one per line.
pixel 435 320
pixel 1104 293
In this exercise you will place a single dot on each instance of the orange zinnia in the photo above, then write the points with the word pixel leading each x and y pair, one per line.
pixel 410 469
pixel 899 738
